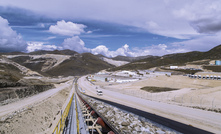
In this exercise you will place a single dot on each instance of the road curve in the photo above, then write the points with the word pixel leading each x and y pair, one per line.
pixel 205 120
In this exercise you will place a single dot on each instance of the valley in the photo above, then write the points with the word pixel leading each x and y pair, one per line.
pixel 35 87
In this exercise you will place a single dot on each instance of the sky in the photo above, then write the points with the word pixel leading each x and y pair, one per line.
pixel 110 27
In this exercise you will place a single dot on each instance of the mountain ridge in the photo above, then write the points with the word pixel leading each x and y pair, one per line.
pixel 52 63
pixel 84 63
pixel 171 59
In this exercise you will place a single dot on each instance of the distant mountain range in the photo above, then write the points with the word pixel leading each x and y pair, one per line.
pixel 60 63
pixel 130 59
pixel 172 59
pixel 67 62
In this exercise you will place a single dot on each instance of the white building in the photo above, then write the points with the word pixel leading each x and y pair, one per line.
pixel 173 67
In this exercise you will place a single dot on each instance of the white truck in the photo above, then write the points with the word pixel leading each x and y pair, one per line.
pixel 99 92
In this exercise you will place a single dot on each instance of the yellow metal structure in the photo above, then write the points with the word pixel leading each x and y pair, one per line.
pixel 61 123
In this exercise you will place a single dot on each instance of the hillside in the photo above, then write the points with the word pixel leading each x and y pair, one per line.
pixel 116 63
pixel 67 62
pixel 59 63
pixel 130 59
pixel 12 84
pixel 214 53
pixel 172 59
pixel 59 52
pixel 86 63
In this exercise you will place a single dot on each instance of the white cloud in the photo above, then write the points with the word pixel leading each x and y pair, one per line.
pixel 51 37
pixel 76 44
pixel 201 43
pixel 203 16
pixel 89 32
pixel 41 25
pixel 158 50
pixel 168 18
pixel 34 46
pixel 9 39
pixel 67 28
pixel 196 20
pixel 101 49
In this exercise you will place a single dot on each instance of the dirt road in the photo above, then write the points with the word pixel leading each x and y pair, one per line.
pixel 206 120
pixel 36 114
pixel 6 109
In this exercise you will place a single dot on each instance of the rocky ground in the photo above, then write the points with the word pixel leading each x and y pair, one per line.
pixel 127 122
pixel 129 94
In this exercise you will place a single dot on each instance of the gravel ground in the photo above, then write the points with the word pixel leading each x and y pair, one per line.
pixel 205 120
pixel 126 122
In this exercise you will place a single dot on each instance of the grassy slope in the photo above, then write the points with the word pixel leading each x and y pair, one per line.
pixel 9 73
pixel 85 64
pixel 80 64
pixel 172 59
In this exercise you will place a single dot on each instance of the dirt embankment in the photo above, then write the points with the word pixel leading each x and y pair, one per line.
pixel 11 91
pixel 36 118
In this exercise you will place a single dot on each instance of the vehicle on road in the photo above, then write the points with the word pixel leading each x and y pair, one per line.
pixel 99 92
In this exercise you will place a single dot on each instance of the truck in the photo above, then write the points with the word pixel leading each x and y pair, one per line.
pixel 99 92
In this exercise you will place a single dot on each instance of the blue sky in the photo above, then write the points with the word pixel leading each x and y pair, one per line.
pixel 126 27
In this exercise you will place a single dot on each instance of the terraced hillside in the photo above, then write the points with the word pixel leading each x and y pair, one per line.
pixel 60 63
pixel 13 86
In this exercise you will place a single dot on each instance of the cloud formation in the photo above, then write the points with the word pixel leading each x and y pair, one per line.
pixel 9 39
pixel 169 18
pixel 75 43
pixel 78 45
pixel 196 21
pixel 159 50
pixel 34 46
pixel 123 51
pixel 201 43
pixel 203 16
pixel 67 28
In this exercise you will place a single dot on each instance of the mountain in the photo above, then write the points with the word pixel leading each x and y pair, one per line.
pixel 60 52
pixel 130 59
pixel 67 62
pixel 214 53
pixel 86 63
pixel 61 63
pixel 11 53
pixel 172 59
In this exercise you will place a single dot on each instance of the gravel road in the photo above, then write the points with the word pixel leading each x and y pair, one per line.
pixel 7 109
pixel 206 120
